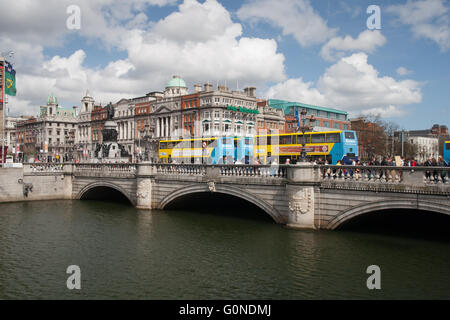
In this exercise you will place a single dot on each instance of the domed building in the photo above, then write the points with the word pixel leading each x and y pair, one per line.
pixel 175 87
pixel 50 137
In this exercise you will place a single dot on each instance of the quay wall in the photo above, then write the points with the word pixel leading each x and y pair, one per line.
pixel 21 184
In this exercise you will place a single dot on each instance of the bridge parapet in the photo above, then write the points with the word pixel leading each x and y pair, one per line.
pixel 116 170
pixel 43 168
pixel 428 180
pixel 228 170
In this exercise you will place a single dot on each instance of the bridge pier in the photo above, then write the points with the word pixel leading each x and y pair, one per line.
pixel 301 207
pixel 302 179
pixel 144 183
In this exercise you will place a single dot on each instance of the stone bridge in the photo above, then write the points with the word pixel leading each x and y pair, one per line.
pixel 299 196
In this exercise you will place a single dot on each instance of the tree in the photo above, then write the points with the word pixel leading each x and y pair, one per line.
pixel 378 138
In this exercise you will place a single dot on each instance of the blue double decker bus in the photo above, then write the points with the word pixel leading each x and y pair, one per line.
pixel 447 152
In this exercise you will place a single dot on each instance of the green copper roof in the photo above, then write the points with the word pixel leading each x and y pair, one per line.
pixel 176 82
pixel 52 99
pixel 287 106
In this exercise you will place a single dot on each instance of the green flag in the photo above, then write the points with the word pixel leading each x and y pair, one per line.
pixel 10 79
pixel 10 84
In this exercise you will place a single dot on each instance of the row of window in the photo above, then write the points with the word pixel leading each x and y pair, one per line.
pixel 236 102
pixel 298 139
pixel 326 114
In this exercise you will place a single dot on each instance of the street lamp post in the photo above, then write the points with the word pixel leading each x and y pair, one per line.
pixel 146 139
pixel 304 129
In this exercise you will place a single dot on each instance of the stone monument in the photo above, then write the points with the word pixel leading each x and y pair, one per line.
pixel 109 150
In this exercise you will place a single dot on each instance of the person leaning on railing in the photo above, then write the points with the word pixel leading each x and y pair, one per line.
pixel 357 171
pixel 391 163
pixel 442 163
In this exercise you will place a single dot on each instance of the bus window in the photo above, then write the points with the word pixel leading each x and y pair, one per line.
pixel 447 146
pixel 248 141
pixel 269 139
pixel 333 137
pixel 300 138
pixel 260 141
pixel 317 138
pixel 349 135
pixel 179 144
pixel 227 141
pixel 163 145
pixel 285 140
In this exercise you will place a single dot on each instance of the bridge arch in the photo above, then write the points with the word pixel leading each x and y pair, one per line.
pixel 87 188
pixel 225 189
pixel 387 205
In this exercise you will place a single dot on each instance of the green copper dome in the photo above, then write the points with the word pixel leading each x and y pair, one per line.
pixel 52 99
pixel 176 81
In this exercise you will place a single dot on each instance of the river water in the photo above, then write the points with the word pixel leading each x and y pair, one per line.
pixel 125 253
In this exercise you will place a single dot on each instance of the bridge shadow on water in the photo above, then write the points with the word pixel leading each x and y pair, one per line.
pixel 408 223
pixel 219 204
pixel 105 194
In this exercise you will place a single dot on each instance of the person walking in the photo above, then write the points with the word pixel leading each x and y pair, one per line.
pixel 428 163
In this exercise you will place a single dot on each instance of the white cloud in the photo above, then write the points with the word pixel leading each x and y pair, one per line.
pixel 402 71
pixel 427 19
pixel 352 84
pixel 367 41
pixel 297 90
pixel 101 20
pixel 295 17
pixel 155 51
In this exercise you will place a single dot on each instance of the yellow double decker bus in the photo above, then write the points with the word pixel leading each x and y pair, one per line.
pixel 329 145
pixel 339 145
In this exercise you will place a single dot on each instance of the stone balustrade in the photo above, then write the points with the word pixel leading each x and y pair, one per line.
pixel 411 176
pixel 228 170
pixel 383 174
pixel 43 168
pixel 269 171
pixel 106 169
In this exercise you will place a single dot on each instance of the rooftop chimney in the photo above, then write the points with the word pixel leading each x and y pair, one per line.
pixel 222 88
pixel 250 92
pixel 208 87
pixel 197 87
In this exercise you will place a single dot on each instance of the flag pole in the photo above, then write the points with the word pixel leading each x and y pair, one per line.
pixel 3 110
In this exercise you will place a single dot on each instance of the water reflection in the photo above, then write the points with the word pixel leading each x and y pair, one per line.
pixel 125 253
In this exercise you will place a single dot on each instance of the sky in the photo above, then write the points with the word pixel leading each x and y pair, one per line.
pixel 321 52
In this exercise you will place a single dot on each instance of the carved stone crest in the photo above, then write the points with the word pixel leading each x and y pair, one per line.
pixel 143 189
pixel 301 202
pixel 211 186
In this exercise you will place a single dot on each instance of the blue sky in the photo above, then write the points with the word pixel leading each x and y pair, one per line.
pixel 317 52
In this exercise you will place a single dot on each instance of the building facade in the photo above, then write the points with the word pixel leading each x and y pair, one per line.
pixel 427 147
pixel 174 113
pixel 51 136
pixel 323 119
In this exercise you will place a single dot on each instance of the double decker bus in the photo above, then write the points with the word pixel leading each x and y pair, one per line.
pixel 214 150
pixel 447 152
pixel 333 146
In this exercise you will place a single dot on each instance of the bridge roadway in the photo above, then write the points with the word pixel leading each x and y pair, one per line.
pixel 299 196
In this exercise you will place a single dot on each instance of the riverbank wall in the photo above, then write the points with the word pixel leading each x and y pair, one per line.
pixel 27 184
